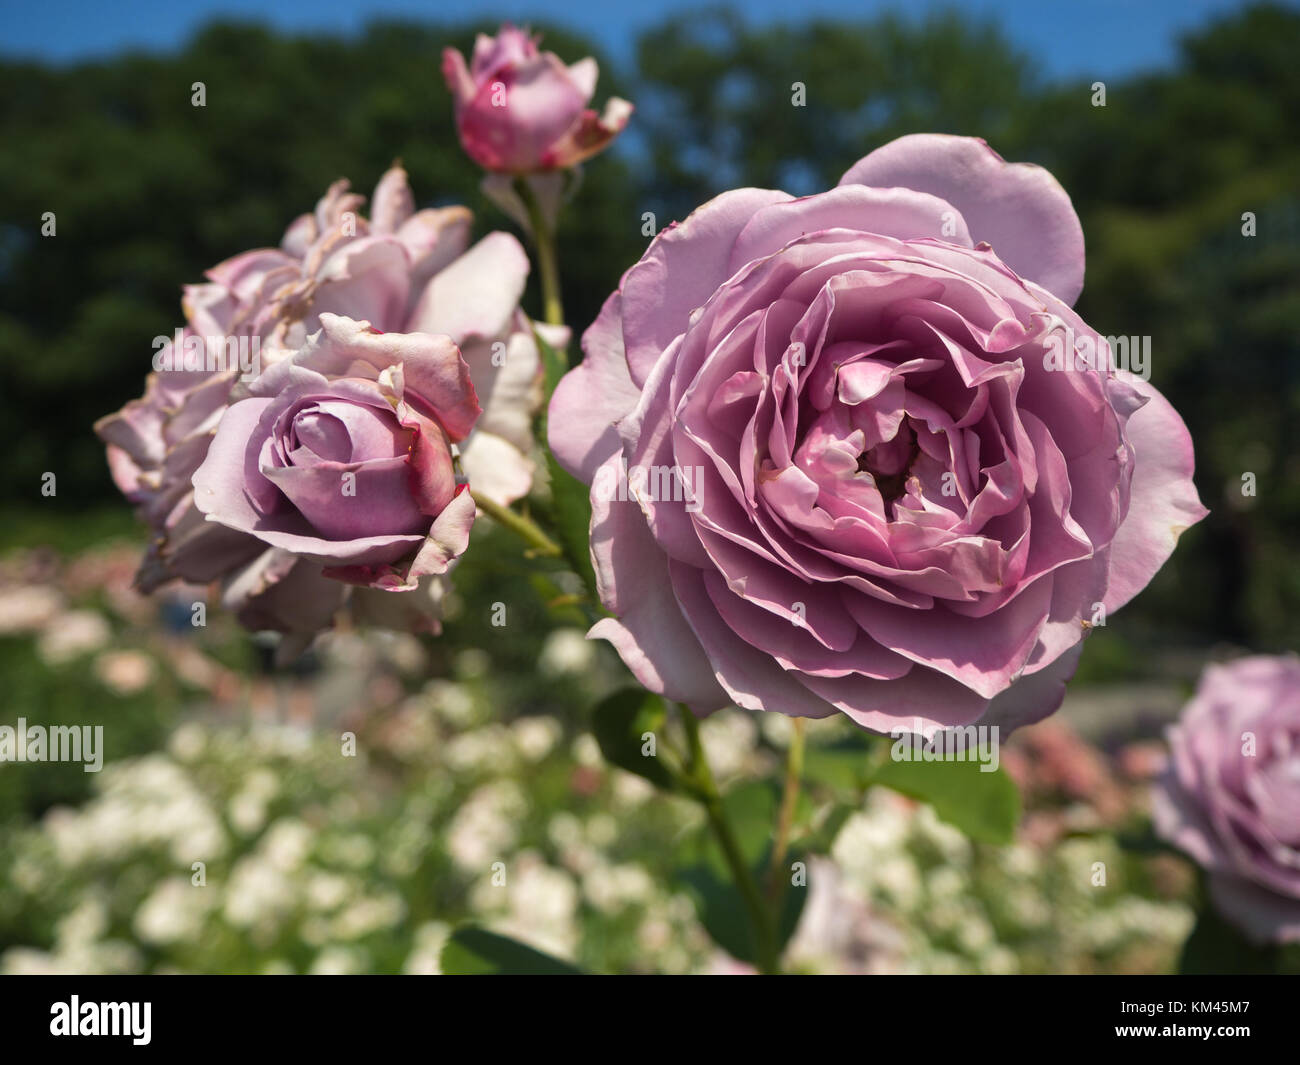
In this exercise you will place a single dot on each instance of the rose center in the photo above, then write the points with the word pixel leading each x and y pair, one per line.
pixel 890 463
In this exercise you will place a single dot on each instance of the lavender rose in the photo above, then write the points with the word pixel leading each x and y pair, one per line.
pixel 842 461
pixel 520 110
pixel 1231 795
pixel 154 445
pixel 341 456
pixel 400 269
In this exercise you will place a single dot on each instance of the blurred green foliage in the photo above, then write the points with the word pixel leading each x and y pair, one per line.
pixel 148 191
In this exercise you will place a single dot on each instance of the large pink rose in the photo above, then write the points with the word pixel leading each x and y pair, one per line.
pixel 1231 795
pixel 521 111
pixel 400 269
pixel 834 467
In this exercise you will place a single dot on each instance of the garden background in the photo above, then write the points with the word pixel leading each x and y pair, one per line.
pixel 318 862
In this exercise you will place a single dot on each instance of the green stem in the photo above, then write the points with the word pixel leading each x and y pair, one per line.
pixel 776 879
pixel 526 529
pixel 705 790
pixel 544 242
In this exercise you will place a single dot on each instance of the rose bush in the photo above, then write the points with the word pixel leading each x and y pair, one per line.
pixel 521 111
pixel 1231 795
pixel 863 486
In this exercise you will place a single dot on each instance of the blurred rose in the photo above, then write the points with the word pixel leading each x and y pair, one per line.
pixel 520 111
pixel 27 607
pixel 1231 795
pixel 833 466
pixel 125 672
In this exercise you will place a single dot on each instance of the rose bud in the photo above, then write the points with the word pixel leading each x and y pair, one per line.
pixel 520 111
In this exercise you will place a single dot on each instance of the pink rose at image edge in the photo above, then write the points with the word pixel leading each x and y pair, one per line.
pixel 826 563
pixel 522 111
pixel 1230 797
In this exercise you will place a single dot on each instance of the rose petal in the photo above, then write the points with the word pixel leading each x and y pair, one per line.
pixel 1162 503
pixel 1018 208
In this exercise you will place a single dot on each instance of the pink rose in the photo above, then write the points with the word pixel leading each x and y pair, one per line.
pixel 520 111
pixel 400 269
pixel 340 460
pixel 1231 795
pixel 833 467
pixel 155 444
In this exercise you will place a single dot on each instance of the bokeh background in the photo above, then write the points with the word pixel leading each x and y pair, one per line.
pixel 473 747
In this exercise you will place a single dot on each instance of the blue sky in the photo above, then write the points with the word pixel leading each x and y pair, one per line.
pixel 1069 38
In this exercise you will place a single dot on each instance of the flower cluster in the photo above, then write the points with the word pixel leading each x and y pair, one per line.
pixel 384 362
pixel 851 455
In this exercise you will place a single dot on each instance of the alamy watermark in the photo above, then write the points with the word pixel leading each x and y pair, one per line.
pixel 213 354
pixel 967 743
pixel 651 484
pixel 102 1018
pixel 57 743
pixel 1084 353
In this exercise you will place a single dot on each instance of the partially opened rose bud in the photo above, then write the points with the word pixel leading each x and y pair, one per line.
pixel 341 456
pixel 520 110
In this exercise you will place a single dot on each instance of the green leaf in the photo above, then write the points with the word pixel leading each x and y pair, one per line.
pixel 620 722
pixel 554 365
pixel 751 810
pixel 822 838
pixel 570 498
pixel 985 806
pixel 845 766
pixel 571 512
pixel 793 898
pixel 563 608
pixel 473 951
pixel 720 909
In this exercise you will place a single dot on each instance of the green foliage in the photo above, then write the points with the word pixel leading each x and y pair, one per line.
pixel 751 810
pixel 61 695
pixel 1216 948
pixel 985 806
pixel 477 952
pixel 571 517
pixel 619 723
